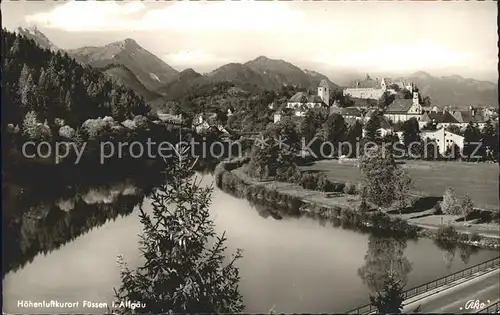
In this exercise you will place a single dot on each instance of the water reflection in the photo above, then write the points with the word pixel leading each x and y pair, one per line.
pixel 40 219
pixel 451 249
pixel 383 256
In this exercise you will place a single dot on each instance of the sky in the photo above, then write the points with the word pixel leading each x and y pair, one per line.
pixel 333 37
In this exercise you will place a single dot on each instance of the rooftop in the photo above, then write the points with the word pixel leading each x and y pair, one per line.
pixel 300 97
pixel 439 117
pixel 346 111
pixel 399 106
pixel 324 84
pixel 466 116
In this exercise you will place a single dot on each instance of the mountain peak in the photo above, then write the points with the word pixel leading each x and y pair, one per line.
pixel 32 32
pixel 262 58
pixel 126 44
pixel 188 73
pixel 421 74
pixel 130 41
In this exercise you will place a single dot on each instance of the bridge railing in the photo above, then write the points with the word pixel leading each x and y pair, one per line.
pixel 408 294
pixel 493 308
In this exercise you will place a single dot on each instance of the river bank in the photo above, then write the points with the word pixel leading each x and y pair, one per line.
pixel 337 207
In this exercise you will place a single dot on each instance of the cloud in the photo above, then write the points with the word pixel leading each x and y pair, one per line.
pixel 186 15
pixel 400 57
pixel 193 57
pixel 87 15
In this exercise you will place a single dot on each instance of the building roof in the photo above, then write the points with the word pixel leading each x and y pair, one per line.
pixel 363 102
pixel 426 133
pixel 439 117
pixel 465 116
pixel 384 123
pixel 324 84
pixel 346 111
pixel 366 83
pixel 297 98
pixel 399 106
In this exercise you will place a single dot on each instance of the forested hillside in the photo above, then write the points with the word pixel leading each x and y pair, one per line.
pixel 54 85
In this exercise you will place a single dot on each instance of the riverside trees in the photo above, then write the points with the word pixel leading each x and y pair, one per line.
pixel 386 182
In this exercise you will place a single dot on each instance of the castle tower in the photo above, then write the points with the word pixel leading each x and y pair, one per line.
pixel 410 87
pixel 324 92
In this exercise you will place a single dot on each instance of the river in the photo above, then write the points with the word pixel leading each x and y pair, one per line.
pixel 291 265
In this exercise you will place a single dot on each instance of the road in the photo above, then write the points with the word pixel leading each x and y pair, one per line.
pixel 485 231
pixel 453 300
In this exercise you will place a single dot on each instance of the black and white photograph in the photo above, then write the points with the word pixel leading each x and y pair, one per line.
pixel 250 157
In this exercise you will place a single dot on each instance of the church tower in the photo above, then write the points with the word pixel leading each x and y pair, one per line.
pixel 324 92
pixel 416 103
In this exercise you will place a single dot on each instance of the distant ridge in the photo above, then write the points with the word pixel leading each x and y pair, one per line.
pixel 454 90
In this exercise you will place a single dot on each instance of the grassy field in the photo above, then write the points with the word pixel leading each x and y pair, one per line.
pixel 479 180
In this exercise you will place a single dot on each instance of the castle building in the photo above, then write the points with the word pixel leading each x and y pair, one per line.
pixel 374 88
pixel 367 89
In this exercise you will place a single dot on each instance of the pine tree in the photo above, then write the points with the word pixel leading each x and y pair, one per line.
pixel 411 136
pixel 184 269
pixel 334 129
pixel 472 138
pixel 30 124
pixel 27 89
pixel 390 300
pixel 372 129
pixel 490 140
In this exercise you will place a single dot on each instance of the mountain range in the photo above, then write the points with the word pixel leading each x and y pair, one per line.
pixel 455 90
pixel 128 63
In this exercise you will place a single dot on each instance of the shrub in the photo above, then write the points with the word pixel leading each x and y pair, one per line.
pixel 67 132
pixel 338 187
pixel 437 209
pixel 12 129
pixel 474 237
pixel 360 187
pixel 363 206
pixel 34 129
pixel 322 183
pixel 350 188
pixel 496 216
pixel 447 233
pixel 59 122
pixel 308 181
pixel 130 124
pixel 289 174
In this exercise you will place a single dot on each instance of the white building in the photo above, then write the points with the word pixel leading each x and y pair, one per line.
pixel 444 139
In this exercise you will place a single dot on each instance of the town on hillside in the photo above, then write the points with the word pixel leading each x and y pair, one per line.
pixel 391 104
